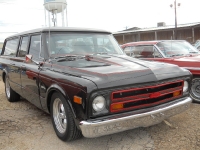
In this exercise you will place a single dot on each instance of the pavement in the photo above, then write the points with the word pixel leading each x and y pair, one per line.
pixel 25 127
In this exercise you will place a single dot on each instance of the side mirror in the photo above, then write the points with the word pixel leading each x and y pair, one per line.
pixel 30 60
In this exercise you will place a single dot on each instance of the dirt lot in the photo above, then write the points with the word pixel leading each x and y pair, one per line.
pixel 24 127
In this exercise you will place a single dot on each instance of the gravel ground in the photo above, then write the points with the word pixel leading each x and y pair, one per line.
pixel 24 127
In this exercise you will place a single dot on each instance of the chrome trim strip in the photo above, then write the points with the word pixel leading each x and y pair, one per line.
pixel 91 129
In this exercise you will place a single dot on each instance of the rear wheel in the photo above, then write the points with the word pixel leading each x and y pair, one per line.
pixel 195 89
pixel 62 118
pixel 11 95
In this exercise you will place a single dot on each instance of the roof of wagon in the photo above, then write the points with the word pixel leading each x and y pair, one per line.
pixel 61 29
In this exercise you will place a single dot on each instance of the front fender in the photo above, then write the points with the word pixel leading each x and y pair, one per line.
pixel 57 88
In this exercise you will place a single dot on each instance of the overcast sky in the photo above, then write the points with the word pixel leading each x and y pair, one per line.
pixel 111 15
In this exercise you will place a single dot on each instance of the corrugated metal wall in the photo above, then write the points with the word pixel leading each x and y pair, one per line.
pixel 182 34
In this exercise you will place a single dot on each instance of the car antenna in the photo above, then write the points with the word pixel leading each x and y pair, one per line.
pixel 49 28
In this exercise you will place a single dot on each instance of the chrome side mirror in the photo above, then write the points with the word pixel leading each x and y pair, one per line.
pixel 30 60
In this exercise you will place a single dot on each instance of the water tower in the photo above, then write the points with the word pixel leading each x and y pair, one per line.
pixel 55 13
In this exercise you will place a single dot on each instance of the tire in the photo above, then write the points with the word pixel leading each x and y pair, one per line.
pixel 62 118
pixel 195 89
pixel 11 95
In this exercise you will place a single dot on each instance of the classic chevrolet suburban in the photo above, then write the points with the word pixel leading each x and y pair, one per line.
pixel 87 84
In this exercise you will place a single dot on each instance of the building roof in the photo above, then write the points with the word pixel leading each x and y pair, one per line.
pixel 146 42
pixel 61 29
pixel 158 28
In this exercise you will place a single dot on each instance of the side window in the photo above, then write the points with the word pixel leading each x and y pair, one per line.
pixel 23 46
pixel 137 51
pixel 157 53
pixel 35 47
pixel 11 47
pixel 128 51
pixel 147 52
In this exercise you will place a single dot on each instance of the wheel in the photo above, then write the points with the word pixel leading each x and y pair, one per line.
pixel 11 95
pixel 62 118
pixel 195 89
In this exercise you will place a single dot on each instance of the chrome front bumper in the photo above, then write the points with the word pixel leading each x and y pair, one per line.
pixel 108 126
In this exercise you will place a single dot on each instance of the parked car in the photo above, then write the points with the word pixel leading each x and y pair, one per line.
pixel 87 84
pixel 178 52
pixel 197 45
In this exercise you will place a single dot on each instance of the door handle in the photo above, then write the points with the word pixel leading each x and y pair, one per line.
pixel 12 64
pixel 23 67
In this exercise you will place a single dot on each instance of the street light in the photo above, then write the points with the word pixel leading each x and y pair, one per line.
pixel 179 4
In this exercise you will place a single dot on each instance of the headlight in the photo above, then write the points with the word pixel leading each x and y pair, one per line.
pixel 185 86
pixel 99 103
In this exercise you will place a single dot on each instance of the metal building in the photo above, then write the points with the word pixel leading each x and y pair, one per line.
pixel 189 32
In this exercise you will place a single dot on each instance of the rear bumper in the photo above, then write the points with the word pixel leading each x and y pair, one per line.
pixel 108 126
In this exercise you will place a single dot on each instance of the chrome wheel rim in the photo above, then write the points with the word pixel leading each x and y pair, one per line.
pixel 195 89
pixel 7 88
pixel 59 115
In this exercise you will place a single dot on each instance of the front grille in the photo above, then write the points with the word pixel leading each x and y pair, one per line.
pixel 143 97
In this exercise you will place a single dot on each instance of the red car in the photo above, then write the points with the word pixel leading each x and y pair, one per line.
pixel 178 52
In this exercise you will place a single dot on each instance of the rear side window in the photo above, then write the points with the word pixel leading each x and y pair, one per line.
pixel 23 46
pixel 35 47
pixel 11 47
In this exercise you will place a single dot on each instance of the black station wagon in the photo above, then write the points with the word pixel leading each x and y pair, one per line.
pixel 87 84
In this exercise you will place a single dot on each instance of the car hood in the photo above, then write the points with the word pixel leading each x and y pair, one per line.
pixel 123 70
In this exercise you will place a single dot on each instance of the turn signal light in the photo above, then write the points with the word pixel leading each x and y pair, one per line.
pixel 77 100
pixel 177 93
pixel 117 106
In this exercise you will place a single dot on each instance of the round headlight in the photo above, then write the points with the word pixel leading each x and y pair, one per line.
pixel 98 103
pixel 185 86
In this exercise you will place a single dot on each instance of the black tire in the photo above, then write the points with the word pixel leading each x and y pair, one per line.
pixel 195 89
pixel 11 95
pixel 62 118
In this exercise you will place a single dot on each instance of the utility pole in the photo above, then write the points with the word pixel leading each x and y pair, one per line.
pixel 175 31
pixel 175 20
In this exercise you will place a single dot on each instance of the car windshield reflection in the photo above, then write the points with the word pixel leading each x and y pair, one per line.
pixel 176 48
pixel 59 44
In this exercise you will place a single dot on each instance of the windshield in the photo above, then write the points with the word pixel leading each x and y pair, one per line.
pixel 68 43
pixel 176 48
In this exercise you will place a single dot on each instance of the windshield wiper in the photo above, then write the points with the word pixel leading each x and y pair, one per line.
pixel 96 65
pixel 68 58
pixel 193 52
pixel 101 53
pixel 73 57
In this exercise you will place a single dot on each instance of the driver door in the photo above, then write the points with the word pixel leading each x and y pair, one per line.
pixel 30 72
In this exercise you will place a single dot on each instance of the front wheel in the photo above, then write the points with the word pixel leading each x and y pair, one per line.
pixel 195 89
pixel 62 118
